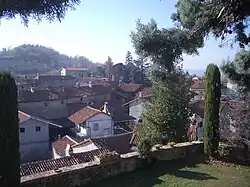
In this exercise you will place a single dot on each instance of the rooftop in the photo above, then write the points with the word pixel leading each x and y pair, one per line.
pixel 84 114
pixel 53 164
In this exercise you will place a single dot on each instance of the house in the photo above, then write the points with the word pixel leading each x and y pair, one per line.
pixel 75 72
pixel 57 81
pixel 231 112
pixel 137 105
pixel 232 116
pixel 197 108
pixel 91 122
pixel 199 89
pixel 68 146
pixel 50 103
pixel 34 137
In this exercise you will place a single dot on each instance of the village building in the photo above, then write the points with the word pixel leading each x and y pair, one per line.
pixel 75 72
pixel 34 137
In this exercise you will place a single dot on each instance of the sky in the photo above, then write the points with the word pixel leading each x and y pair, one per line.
pixel 101 28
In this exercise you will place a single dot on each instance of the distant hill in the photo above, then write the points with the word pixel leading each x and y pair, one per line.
pixel 32 59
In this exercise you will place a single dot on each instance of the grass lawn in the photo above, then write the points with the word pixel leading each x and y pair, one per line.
pixel 164 175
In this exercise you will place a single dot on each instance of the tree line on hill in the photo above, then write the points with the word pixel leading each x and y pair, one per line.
pixel 169 113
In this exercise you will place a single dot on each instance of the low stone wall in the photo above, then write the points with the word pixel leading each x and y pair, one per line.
pixel 81 174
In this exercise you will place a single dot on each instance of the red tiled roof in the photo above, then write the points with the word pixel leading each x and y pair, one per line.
pixel 83 143
pixel 234 107
pixel 52 164
pixel 59 146
pixel 147 91
pixel 84 114
pixel 55 77
pixel 197 107
pixel 129 87
pixel 52 94
pixel 119 143
pixel 23 116
pixel 37 95
pixel 199 85
pixel 98 89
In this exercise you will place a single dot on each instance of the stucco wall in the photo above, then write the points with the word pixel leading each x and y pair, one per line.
pixel 34 145
pixel 136 109
pixel 53 109
pixel 89 172
pixel 105 125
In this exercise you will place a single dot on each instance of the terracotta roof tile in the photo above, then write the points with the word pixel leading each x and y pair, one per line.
pixel 23 116
pixel 37 95
pixel 147 91
pixel 55 77
pixel 198 85
pixel 129 87
pixel 84 114
pixel 83 143
pixel 52 164
pixel 119 143
pixel 197 107
pixel 59 146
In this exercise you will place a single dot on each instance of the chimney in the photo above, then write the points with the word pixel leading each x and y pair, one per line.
pixel 105 108
pixel 90 84
pixel 58 136
pixel 140 94
pixel 68 150
pixel 32 89
pixel 37 76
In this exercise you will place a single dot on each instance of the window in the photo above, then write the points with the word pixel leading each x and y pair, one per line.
pixel 38 128
pixel 95 126
pixel 45 104
pixel 22 130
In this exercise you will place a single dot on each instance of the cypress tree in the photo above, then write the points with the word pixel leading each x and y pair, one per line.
pixel 212 106
pixel 9 133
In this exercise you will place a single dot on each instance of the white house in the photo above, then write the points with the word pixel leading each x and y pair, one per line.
pixel 34 138
pixel 137 105
pixel 91 122
pixel 75 72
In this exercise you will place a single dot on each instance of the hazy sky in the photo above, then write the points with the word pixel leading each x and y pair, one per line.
pixel 101 28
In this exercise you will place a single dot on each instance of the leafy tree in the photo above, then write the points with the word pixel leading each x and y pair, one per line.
pixel 238 70
pixel 108 68
pixel 140 71
pixel 118 70
pixel 167 115
pixel 164 47
pixel 37 9
pixel 9 133
pixel 101 71
pixel 224 19
pixel 129 58
pixel 212 107
pixel 227 20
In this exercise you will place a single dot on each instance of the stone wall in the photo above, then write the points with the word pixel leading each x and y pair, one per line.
pixel 81 174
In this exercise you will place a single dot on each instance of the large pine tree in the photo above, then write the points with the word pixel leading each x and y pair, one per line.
pixel 212 106
pixel 9 133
